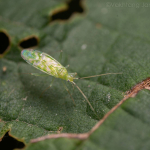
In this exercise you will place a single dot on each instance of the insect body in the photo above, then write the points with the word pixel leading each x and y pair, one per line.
pixel 46 64
pixel 50 66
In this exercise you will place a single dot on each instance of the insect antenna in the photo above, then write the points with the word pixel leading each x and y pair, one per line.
pixel 85 98
pixel 97 75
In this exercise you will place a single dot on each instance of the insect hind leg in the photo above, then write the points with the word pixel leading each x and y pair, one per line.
pixel 67 66
pixel 60 55
pixel 86 99
pixel 47 87
pixel 69 93
pixel 39 74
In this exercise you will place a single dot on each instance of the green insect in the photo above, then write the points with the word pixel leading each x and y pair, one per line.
pixel 50 66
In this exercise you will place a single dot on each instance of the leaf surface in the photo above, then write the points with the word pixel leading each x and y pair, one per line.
pixel 110 37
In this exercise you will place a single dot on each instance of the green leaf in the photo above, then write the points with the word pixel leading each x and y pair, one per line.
pixel 112 37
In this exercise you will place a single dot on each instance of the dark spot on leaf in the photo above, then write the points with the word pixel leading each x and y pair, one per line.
pixel 29 42
pixel 73 6
pixel 9 143
pixel 4 42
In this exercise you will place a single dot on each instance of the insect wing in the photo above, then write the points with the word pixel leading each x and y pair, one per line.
pixel 42 61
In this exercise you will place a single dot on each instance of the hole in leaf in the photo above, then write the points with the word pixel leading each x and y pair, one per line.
pixel 4 42
pixel 73 6
pixel 9 143
pixel 29 42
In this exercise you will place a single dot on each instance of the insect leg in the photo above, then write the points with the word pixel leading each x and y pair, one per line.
pixel 73 74
pixel 69 93
pixel 39 74
pixel 36 74
pixel 47 87
pixel 67 66
pixel 72 87
pixel 85 98
pixel 60 56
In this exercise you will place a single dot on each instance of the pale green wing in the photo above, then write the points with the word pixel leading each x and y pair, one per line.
pixel 43 62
